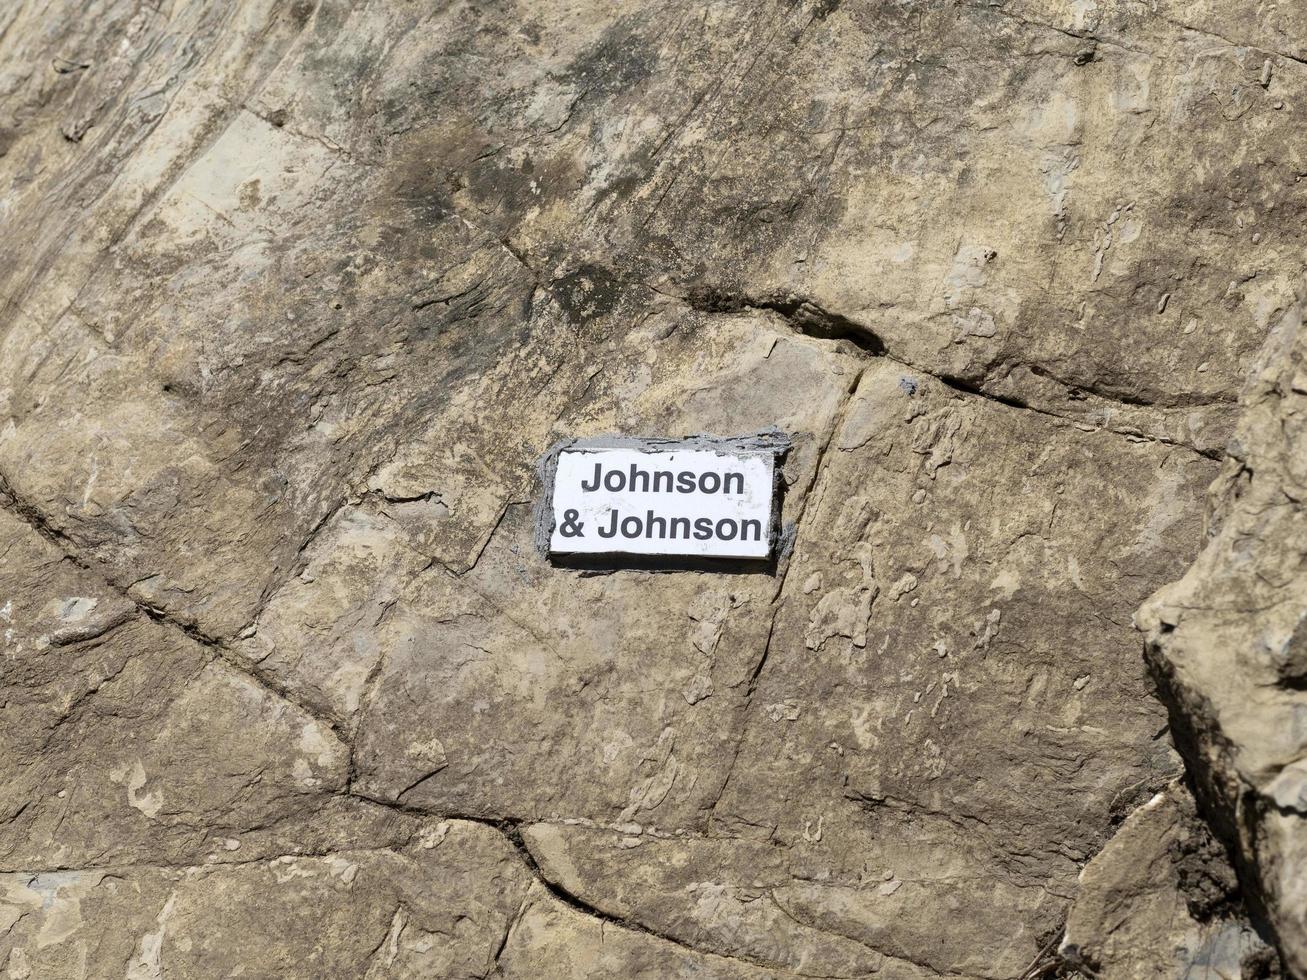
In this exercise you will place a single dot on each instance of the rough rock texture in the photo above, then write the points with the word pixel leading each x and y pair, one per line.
pixel 295 296
pixel 1229 648
pixel 1160 900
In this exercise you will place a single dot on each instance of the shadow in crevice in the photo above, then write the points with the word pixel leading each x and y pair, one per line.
pixel 611 564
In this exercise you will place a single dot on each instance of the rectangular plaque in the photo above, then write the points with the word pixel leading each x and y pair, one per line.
pixel 692 497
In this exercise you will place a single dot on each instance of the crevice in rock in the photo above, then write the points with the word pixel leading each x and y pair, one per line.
pixel 136 866
pixel 1212 35
pixel 1052 28
pixel 1078 389
pixel 419 781
pixel 966 387
pixel 1048 962
pixel 232 660
pixel 1044 964
pixel 1134 49
pixel 74 708
pixel 36 520
pixel 351 496
pixel 498 823
pixel 837 423
pixel 900 956
pixel 806 317
pixel 511 828
pixel 578 904
pixel 394 928
pixel 802 314
pixel 322 140
pixel 745 715
pixel 270 590
pixel 508 934
pixel 507 245
pixel 1185 707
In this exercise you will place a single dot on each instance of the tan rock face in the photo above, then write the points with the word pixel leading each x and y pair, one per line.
pixel 1227 647
pixel 296 295
pixel 1156 901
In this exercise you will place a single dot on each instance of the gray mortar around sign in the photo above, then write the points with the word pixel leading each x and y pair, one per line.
pixel 772 441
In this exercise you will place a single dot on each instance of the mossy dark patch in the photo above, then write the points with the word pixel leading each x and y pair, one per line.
pixel 617 62
pixel 589 292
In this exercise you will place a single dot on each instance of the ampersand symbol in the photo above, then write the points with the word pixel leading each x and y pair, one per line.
pixel 571 527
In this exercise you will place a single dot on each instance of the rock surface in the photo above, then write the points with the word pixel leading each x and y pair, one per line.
pixel 1161 900
pixel 1230 652
pixel 296 296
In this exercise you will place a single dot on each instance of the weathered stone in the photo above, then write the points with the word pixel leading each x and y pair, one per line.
pixel 516 658
pixel 1222 642
pixel 439 907
pixel 902 655
pixel 135 743
pixel 295 297
pixel 1160 900
pixel 551 940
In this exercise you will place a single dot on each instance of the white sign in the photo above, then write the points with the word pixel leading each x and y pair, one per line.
pixel 668 500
